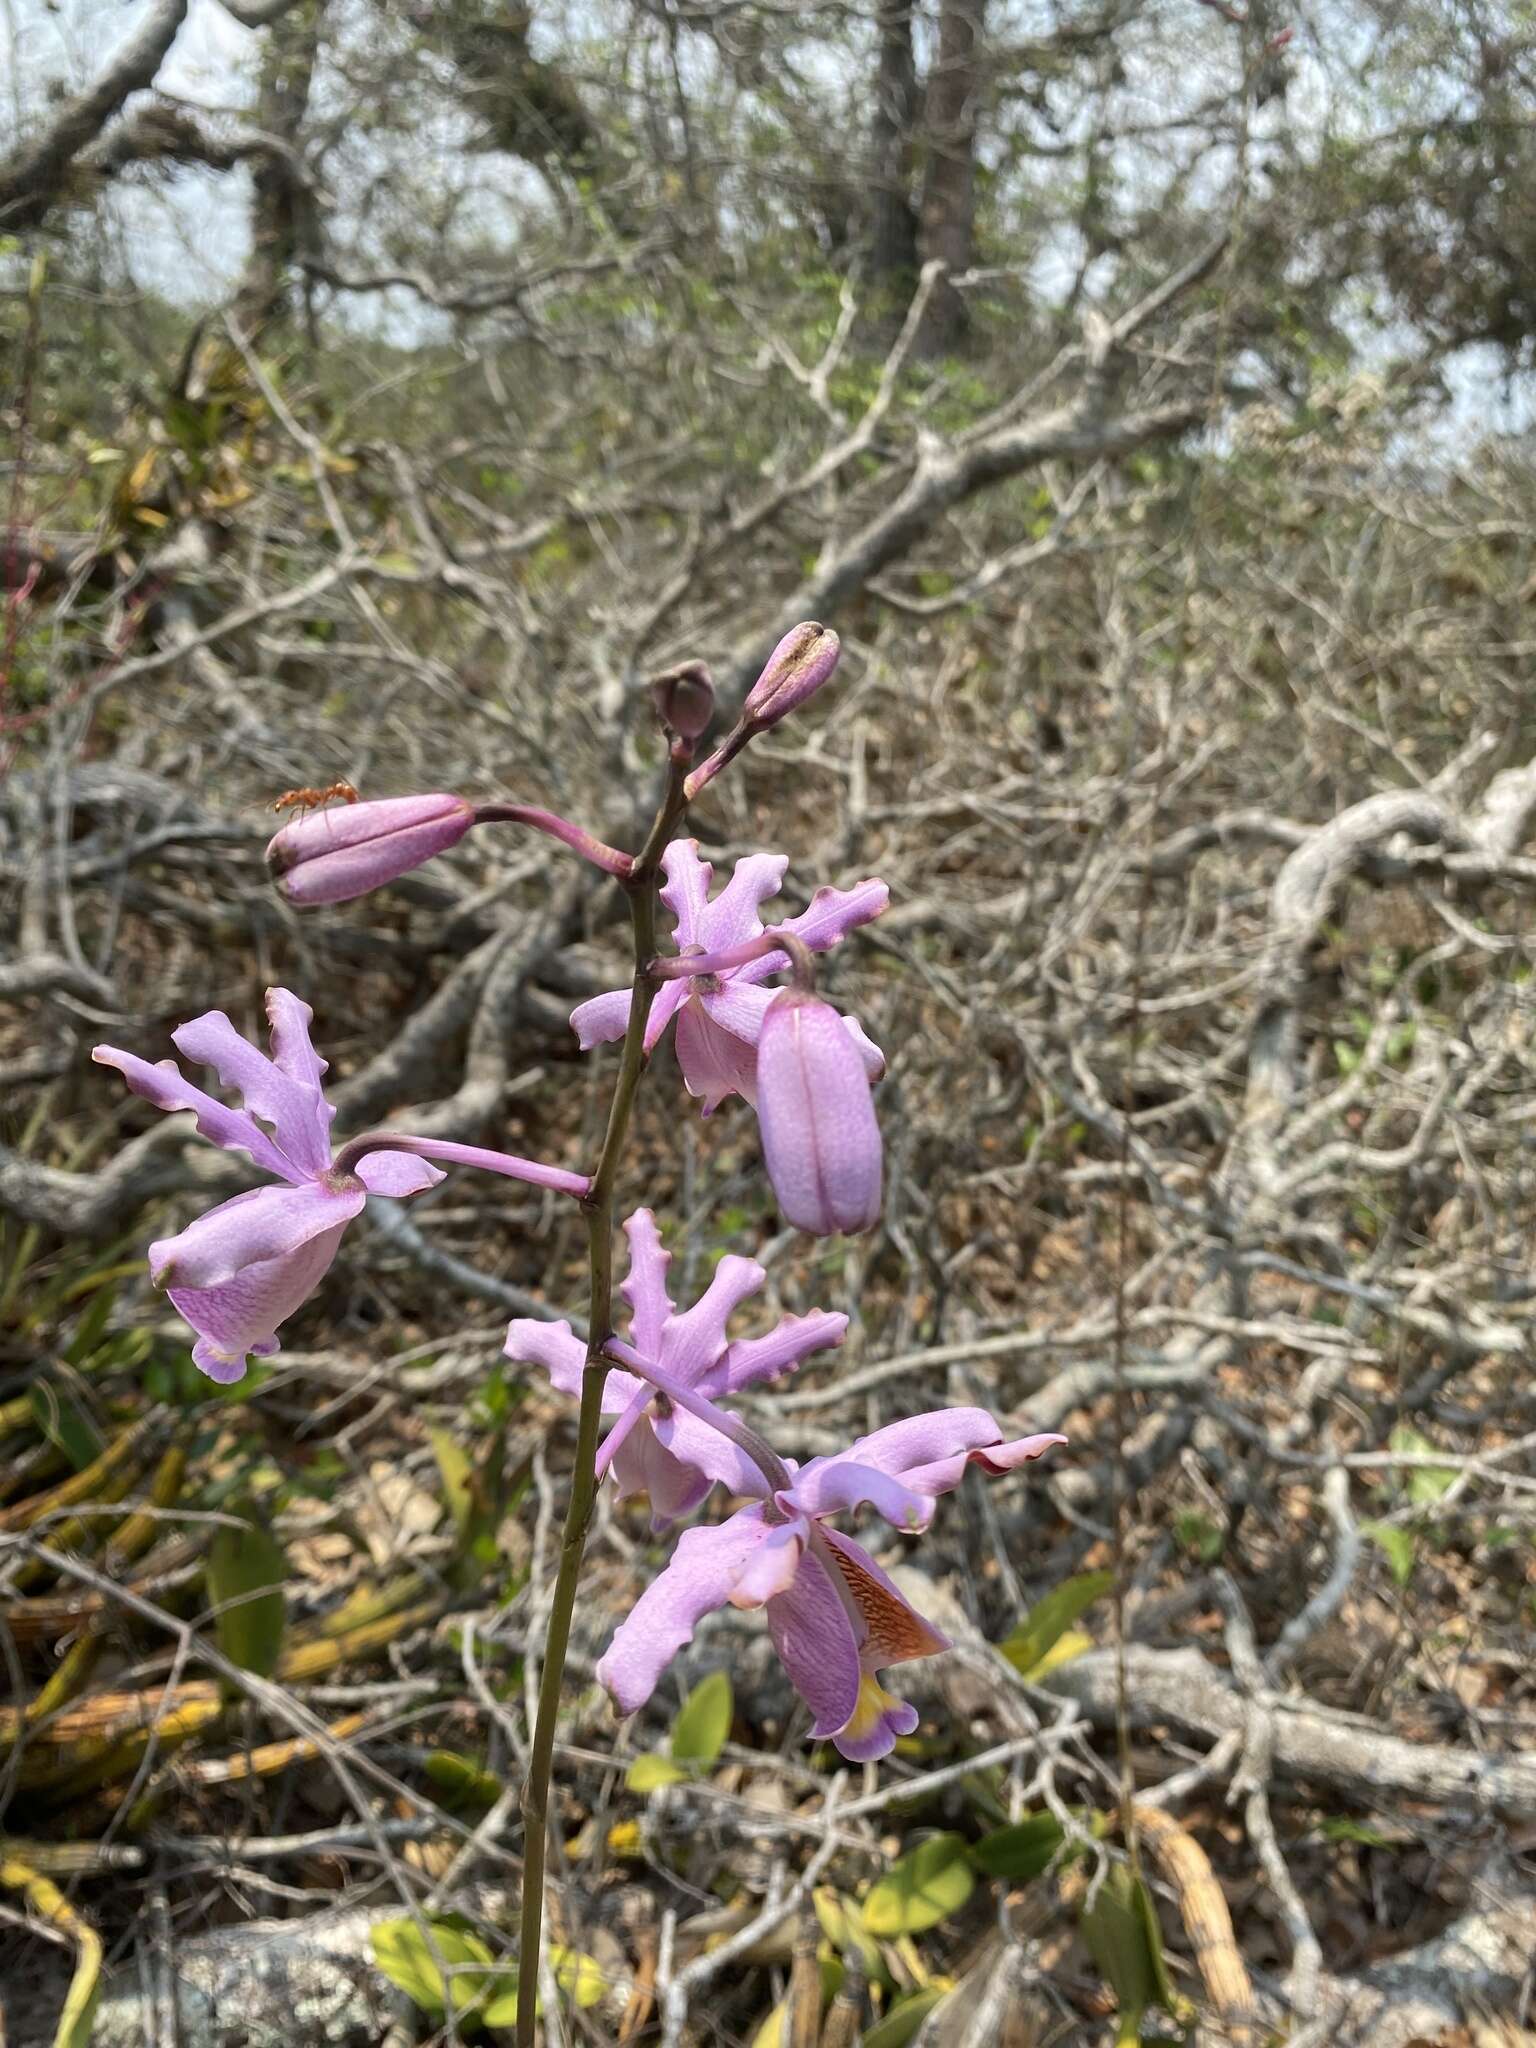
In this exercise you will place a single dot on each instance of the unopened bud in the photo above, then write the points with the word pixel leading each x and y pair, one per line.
pixel 821 1141
pixel 796 670
pixel 334 855
pixel 684 698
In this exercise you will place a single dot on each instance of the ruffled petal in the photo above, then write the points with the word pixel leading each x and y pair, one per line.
pixel 693 1341
pixel 715 1064
pixel 686 889
pixel 243 1315
pixel 162 1083
pixel 396 1173
pixel 831 915
pixel 267 1092
pixel 830 1486
pixel 751 1360
pixel 930 1451
pixel 645 1287
pixel 876 1722
pixel 293 1052
pixel 814 1639
pixel 265 1224
pixel 555 1346
pixel 734 914
pixel 705 1571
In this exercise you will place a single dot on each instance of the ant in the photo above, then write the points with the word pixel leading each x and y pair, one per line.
pixel 303 800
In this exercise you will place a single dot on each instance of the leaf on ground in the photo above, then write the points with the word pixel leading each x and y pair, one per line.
pixel 1031 1642
pixel 245 1577
pixel 704 1721
pixel 921 1889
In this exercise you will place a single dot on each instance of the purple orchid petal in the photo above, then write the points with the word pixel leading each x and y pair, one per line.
pixel 644 1464
pixel 294 1111
pixel 869 1052
pixel 293 1052
pixel 554 1346
pixel 690 1438
pixel 829 1486
pixel 894 1631
pixel 396 1173
pixel 753 1359
pixel 879 1718
pixel 705 1573
pixel 162 1083
pixel 691 1342
pixel 930 1452
pixel 645 1288
pixel 814 1638
pixel 243 1315
pixel 336 854
pixel 602 1019
pixel 686 890
pixel 715 1065
pixel 265 1224
pixel 734 914
pixel 830 916
pixel 821 1142
pixel 737 1007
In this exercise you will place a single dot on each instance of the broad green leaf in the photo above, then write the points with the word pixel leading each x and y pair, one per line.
pixel 1025 1850
pixel 703 1721
pixel 401 1950
pixel 1423 1484
pixel 245 1576
pixel 1074 1643
pixel 1122 1934
pixel 1049 1619
pixel 579 1977
pixel 650 1773
pixel 921 1889
pixel 461 1780
pixel 843 1925
pixel 901 2023
pixel 1398 1545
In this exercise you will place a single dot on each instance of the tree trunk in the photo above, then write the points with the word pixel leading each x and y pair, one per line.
pixel 949 190
pixel 280 202
pixel 893 217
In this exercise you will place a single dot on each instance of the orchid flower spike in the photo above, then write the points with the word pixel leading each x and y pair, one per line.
pixel 835 1617
pixel 821 1140
pixel 720 1016
pixel 239 1271
pixel 674 1457
pixel 333 855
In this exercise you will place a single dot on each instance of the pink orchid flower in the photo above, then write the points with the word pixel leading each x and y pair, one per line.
pixel 719 1016
pixel 239 1271
pixel 673 1456
pixel 836 1619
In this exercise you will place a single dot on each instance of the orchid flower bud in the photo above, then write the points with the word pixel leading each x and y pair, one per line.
pixel 821 1141
pixel 796 670
pixel 333 855
pixel 684 698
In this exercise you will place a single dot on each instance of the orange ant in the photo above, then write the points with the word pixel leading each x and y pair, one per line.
pixel 302 800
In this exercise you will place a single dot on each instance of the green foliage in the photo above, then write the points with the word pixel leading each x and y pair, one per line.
pixel 921 1888
pixel 698 1735
pixel 1040 1642
pixel 245 1576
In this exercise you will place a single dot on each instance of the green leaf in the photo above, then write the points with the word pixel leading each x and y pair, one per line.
pixel 1424 1484
pixel 1202 1537
pixel 703 1721
pixel 1025 1850
pixel 650 1773
pixel 244 1579
pixel 461 1780
pixel 1345 1830
pixel 579 1977
pixel 401 1950
pixel 921 1889
pixel 65 1425
pixel 901 2023
pixel 457 1475
pixel 1049 1619
pixel 1398 1545
pixel 843 1925
pixel 1122 1935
